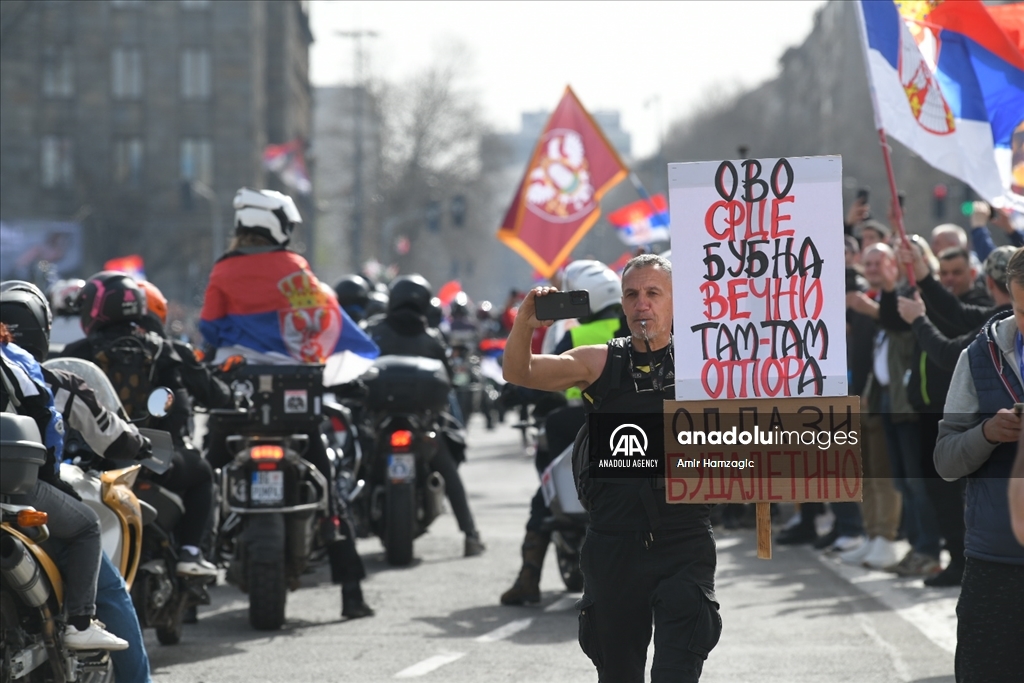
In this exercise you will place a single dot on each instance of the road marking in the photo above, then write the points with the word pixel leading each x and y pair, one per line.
pixel 502 632
pixel 563 603
pixel 429 664
pixel 902 670
pixel 932 611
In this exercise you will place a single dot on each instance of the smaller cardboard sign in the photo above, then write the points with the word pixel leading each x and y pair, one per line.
pixel 763 450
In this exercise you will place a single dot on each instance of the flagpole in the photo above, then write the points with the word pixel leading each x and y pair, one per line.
pixel 897 210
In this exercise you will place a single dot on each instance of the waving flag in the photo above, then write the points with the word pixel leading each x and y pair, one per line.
pixel 642 222
pixel 288 162
pixel 948 82
pixel 558 199
pixel 132 264
pixel 271 308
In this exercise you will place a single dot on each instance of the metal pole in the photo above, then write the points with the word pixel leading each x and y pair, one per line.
pixel 357 134
pixel 208 193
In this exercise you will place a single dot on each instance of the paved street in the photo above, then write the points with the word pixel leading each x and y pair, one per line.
pixel 799 618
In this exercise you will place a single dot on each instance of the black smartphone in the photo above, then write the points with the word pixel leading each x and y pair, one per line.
pixel 563 305
pixel 862 195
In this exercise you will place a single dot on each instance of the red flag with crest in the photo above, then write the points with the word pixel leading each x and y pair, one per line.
pixel 558 200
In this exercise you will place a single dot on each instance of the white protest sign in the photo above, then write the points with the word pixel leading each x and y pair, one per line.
pixel 758 278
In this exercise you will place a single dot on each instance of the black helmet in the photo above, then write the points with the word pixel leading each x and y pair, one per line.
pixel 26 312
pixel 353 293
pixel 436 313
pixel 411 292
pixel 110 297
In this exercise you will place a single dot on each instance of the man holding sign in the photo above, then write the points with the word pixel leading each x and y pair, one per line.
pixel 642 556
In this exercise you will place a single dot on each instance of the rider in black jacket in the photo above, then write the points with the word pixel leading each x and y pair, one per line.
pixel 404 332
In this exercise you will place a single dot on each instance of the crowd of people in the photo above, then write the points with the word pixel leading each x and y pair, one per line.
pixel 934 351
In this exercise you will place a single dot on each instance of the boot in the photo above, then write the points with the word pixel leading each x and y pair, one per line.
pixel 527 585
pixel 352 604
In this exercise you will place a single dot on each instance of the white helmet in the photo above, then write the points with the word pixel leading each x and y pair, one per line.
pixel 63 295
pixel 267 213
pixel 598 279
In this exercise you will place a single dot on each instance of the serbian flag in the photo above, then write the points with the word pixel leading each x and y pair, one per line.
pixel 642 222
pixel 558 199
pixel 948 82
pixel 132 265
pixel 288 162
pixel 270 308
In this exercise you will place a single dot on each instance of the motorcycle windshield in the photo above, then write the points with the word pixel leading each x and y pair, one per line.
pixel 94 377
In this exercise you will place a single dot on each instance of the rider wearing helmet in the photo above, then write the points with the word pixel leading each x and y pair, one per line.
pixel 112 308
pixel 353 292
pixel 26 313
pixel 562 424
pixel 404 331
pixel 263 302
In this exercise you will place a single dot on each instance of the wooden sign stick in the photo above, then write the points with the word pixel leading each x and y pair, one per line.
pixel 764 531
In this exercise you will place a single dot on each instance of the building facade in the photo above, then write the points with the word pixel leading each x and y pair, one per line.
pixel 138 121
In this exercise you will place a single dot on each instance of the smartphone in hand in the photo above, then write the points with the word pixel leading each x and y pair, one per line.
pixel 563 305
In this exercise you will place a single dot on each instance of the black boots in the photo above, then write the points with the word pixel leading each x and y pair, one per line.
pixel 352 604
pixel 526 589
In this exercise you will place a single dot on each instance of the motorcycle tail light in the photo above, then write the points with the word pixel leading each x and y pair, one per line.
pixel 31 518
pixel 266 465
pixel 337 425
pixel 266 452
pixel 401 439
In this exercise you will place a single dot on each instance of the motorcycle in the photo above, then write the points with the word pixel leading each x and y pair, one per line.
pixel 568 522
pixel 137 515
pixel 31 586
pixel 272 498
pixel 406 401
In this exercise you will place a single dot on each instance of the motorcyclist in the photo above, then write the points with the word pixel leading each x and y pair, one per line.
pixel 404 332
pixel 112 307
pixel 353 292
pixel 264 303
pixel 25 310
pixel 70 521
pixel 562 424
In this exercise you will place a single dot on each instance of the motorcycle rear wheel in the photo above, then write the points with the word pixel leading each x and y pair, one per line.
pixel 268 591
pixel 399 523
pixel 569 568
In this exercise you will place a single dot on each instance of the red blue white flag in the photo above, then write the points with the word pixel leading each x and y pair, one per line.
pixel 948 82
pixel 642 222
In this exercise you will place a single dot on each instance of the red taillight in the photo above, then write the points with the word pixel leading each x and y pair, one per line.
pixel 401 438
pixel 337 424
pixel 266 452
pixel 266 465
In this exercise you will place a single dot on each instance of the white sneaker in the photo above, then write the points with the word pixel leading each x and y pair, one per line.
pixel 96 637
pixel 191 563
pixel 847 543
pixel 793 521
pixel 856 555
pixel 882 555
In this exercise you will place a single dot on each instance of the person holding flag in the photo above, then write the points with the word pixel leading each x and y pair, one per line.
pixel 264 303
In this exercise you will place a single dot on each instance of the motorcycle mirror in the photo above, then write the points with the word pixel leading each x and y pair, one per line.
pixel 160 402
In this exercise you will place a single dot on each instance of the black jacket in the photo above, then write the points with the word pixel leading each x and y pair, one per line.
pixel 406 333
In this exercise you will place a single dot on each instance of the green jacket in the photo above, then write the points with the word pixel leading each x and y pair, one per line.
pixel 901 358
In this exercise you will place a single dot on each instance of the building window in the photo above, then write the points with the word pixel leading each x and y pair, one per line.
pixel 195 74
pixel 128 162
pixel 58 72
pixel 55 161
pixel 126 72
pixel 195 4
pixel 197 160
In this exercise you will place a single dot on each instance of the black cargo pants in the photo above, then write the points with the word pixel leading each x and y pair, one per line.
pixel 628 579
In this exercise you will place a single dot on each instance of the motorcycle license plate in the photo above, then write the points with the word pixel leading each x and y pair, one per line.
pixel 401 467
pixel 267 487
pixel 461 379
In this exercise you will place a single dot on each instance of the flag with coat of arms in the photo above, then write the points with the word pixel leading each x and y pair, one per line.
pixel 558 199
pixel 947 80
